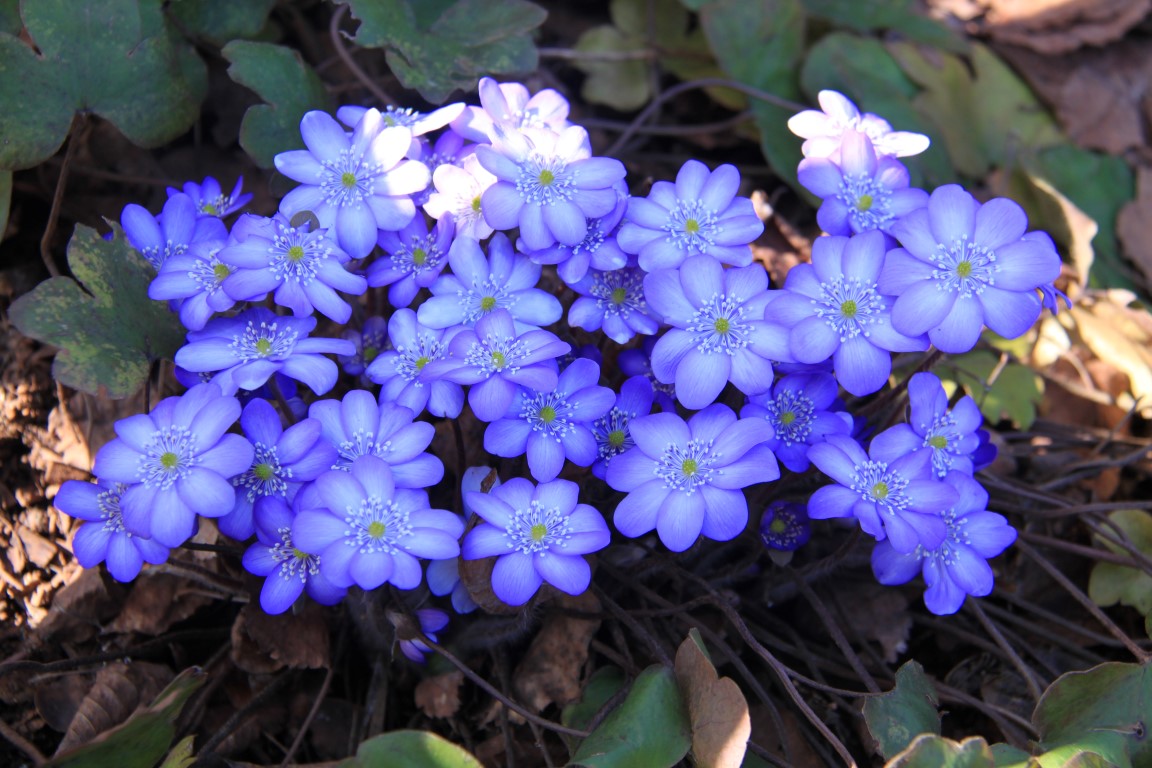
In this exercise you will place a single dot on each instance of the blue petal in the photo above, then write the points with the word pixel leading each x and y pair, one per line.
pixel 568 573
pixel 680 520
pixel 514 578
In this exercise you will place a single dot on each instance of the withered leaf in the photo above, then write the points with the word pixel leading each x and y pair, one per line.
pixel 717 709
pixel 263 643
pixel 115 694
pixel 156 602
pixel 1060 26
pixel 439 695
pixel 550 672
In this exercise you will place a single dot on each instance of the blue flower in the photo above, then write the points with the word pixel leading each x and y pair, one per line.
pixel 398 370
pixel 419 122
pixel 718 334
pixel 965 265
pixel 358 426
pixel 459 194
pixel 102 538
pixel 248 348
pixel 698 215
pixel 431 622
pixel 548 184
pixel 861 192
pixel 415 258
pixel 638 362
pixel 288 571
pixel 479 286
pixel 785 526
pixel 685 479
pixel 197 278
pixel 598 250
pixel 371 340
pixel 799 411
pixel 444 575
pixel 824 129
pixel 511 106
pixel 493 358
pixel 613 302
pixel 611 430
pixel 958 566
pixel 950 437
pixel 367 531
pixel 538 534
pixel 177 463
pixel 355 185
pixel 552 426
pixel 304 268
pixel 284 460
pixel 210 199
pixel 833 308
pixel 169 234
pixel 892 495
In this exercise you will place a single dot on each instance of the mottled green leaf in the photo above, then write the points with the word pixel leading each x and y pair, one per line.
pixel 218 22
pixel 896 718
pixel 863 69
pixel 410 749
pixel 650 729
pixel 896 15
pixel 1007 756
pixel 109 332
pixel 1112 583
pixel 144 739
pixel 114 58
pixel 1010 391
pixel 620 84
pixel 10 17
pixel 761 44
pixel 932 751
pixel 471 38
pixel 281 77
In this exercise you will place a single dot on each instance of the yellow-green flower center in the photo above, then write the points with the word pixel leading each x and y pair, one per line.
pixel 547 414
pixel 419 257
pixel 778 525
pixel 221 271
pixel 618 296
pixel 295 253
pixel 169 460
pixel 616 438
pixel 370 354
pixel 964 269
pixel 691 226
pixel 263 347
pixel 546 177
pixel 538 532
pixel 300 555
pixel 864 202
pixel 938 442
pixel 721 325
pixel 423 361
pixel 376 529
pixel 476 204
pixel 848 309
pixel 688 467
pixel 880 491
pixel 348 179
pixel 209 208
pixel 787 418
pixel 488 303
pixel 498 360
pixel 263 471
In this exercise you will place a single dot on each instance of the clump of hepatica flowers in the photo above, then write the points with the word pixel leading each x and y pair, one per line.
pixel 340 493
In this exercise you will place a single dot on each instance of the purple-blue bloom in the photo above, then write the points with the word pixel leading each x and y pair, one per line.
pixel 248 348
pixel 638 362
pixel 398 370
pixel 284 460
pixel 431 621
pixel 510 105
pixel 102 537
pixel 698 215
pixel 785 526
pixel 358 426
pixel 493 359
pixel 964 265
pixel 950 437
pixel 861 192
pixel 613 302
pixel 686 479
pixel 552 426
pixel 598 250
pixel 459 194
pixel 833 308
pixel 371 340
pixel 355 185
pixel 548 184
pixel 892 495
pixel 800 412
pixel 958 566
pixel 718 333
pixel 169 234
pixel 443 576
pixel 304 268
pixel 288 571
pixel 197 278
pixel 611 430
pixel 824 129
pixel 537 533
pixel 420 123
pixel 177 462
pixel 368 532
pixel 480 285
pixel 210 199
pixel 414 259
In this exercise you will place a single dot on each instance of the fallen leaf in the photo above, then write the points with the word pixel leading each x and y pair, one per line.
pixel 78 611
pixel 439 695
pixel 551 670
pixel 58 700
pixel 156 602
pixel 1121 336
pixel 878 613
pixel 717 709
pixel 114 695
pixel 1060 26
pixel 262 643
pixel 1132 226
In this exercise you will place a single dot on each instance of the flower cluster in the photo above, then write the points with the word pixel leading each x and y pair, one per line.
pixel 471 232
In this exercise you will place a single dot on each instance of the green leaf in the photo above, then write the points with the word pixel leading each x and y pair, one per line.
pixel 108 330
pixel 985 113
pixel 761 44
pixel 143 740
pixel 181 755
pixel 114 58
pixel 649 730
pixel 931 751
pixel 1007 756
pixel 5 200
pixel 863 69
pixel 895 15
pixel 10 17
pixel 1011 391
pixel 469 39
pixel 1111 700
pixel 622 85
pixel 219 22
pixel 1112 583
pixel 410 749
pixel 605 683
pixel 895 718
pixel 281 77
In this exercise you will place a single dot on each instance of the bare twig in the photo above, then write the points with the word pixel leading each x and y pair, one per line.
pixel 990 627
pixel 21 743
pixel 74 137
pixel 346 57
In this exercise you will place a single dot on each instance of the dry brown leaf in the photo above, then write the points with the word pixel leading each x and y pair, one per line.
pixel 115 694
pixel 156 602
pixel 1120 336
pixel 77 611
pixel 58 699
pixel 721 723
pixel 551 669
pixel 1061 26
pixel 1133 225
pixel 439 695
pixel 263 643
pixel 878 613
pixel 788 743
